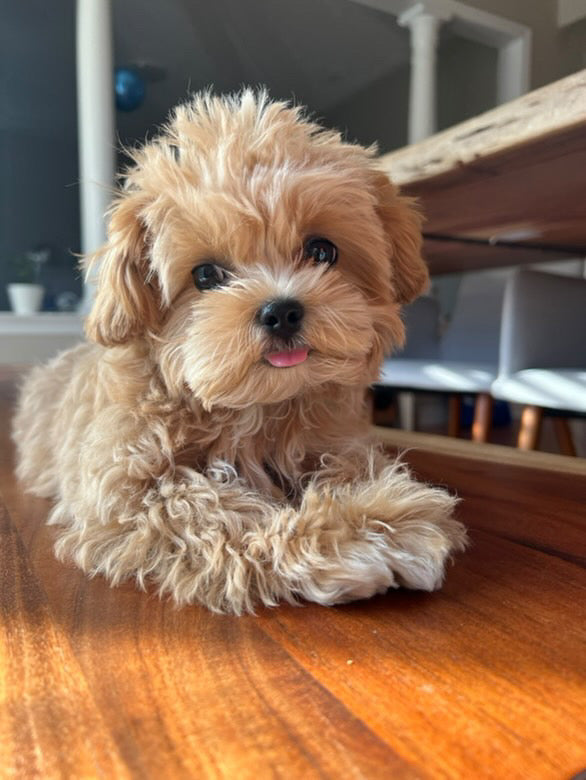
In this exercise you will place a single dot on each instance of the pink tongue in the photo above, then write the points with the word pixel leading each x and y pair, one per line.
pixel 289 358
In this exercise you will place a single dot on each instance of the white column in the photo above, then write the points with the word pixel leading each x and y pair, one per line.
pixel 424 27
pixel 513 69
pixel 95 122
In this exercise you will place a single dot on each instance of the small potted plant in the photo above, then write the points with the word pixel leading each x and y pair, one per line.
pixel 26 292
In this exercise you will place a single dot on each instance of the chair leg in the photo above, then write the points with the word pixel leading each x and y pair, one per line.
pixel 530 428
pixel 563 433
pixel 482 417
pixel 455 407
pixel 407 411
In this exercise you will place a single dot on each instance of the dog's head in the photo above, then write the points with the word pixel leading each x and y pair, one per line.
pixel 259 254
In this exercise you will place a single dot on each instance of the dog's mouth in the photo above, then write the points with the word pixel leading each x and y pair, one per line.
pixel 287 357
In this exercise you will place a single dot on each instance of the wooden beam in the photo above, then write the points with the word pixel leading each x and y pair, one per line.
pixel 513 173
pixel 549 111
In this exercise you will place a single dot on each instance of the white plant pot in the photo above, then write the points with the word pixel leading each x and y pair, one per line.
pixel 25 298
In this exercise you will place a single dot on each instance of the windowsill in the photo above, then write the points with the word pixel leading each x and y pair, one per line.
pixel 26 339
pixel 42 323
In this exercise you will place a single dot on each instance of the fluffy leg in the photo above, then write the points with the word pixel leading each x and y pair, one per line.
pixel 208 539
pixel 385 530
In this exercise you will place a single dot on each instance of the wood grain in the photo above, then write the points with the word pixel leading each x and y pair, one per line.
pixel 457 689
pixel 485 678
pixel 515 171
pixel 46 702
pixel 544 113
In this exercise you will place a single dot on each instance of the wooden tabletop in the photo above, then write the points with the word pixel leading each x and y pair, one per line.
pixel 485 679
pixel 513 175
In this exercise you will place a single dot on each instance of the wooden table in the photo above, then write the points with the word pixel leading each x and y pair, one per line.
pixel 514 177
pixel 485 679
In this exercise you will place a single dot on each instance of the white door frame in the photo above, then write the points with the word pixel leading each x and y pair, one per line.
pixel 511 39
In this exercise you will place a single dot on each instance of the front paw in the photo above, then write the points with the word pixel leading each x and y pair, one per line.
pixel 379 533
pixel 358 571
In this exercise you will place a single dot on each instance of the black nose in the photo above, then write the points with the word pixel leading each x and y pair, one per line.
pixel 281 317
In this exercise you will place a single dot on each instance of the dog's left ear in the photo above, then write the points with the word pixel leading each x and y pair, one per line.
pixel 126 303
pixel 402 225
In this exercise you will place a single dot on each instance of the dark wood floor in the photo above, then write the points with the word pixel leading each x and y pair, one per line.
pixel 486 678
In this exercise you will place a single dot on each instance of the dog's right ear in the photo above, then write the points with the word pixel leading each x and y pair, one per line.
pixel 126 303
pixel 401 222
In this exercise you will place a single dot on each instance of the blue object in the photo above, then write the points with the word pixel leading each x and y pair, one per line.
pixel 130 89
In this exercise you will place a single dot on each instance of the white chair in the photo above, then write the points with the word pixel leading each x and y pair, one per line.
pixel 465 360
pixel 422 326
pixel 543 353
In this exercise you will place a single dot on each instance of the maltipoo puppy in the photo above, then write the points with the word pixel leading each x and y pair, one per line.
pixel 213 440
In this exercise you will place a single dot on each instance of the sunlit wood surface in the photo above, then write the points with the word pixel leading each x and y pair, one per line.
pixel 515 173
pixel 486 679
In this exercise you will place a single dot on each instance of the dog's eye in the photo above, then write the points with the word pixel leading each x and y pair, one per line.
pixel 320 250
pixel 209 275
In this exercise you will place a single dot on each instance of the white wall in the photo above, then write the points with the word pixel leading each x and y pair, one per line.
pixel 556 52
pixel 466 87
pixel 570 11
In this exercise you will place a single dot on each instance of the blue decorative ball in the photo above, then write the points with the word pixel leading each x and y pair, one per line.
pixel 130 89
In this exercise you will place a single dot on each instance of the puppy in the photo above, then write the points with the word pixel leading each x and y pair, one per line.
pixel 212 439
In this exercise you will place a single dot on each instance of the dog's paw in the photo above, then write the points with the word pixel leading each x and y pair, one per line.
pixel 385 559
pixel 358 572
pixel 419 555
pixel 386 532
pixel 418 524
